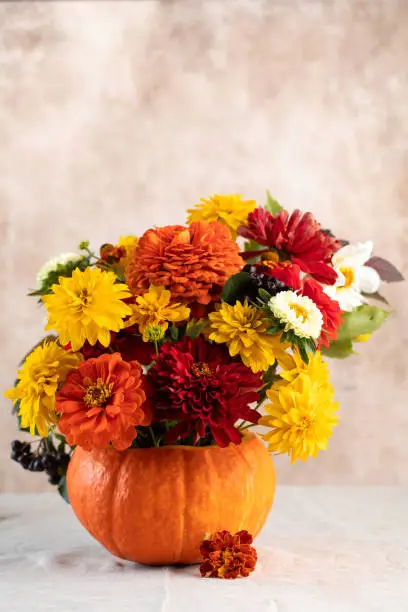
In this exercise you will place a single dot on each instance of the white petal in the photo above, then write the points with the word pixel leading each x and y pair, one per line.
pixel 340 280
pixel 349 299
pixel 357 253
pixel 331 291
pixel 367 279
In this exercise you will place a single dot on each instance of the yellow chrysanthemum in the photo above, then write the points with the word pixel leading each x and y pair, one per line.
pixel 244 329
pixel 301 416
pixel 316 369
pixel 87 306
pixel 45 368
pixel 231 210
pixel 129 243
pixel 154 308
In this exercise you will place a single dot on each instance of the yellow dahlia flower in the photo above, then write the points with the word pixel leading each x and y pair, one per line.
pixel 45 368
pixel 301 417
pixel 244 329
pixel 87 306
pixel 154 309
pixel 231 210
pixel 316 369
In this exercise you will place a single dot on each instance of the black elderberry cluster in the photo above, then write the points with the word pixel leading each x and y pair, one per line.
pixel 261 279
pixel 40 460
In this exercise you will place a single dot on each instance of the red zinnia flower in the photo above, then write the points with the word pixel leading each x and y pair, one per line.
pixel 198 384
pixel 299 236
pixel 228 556
pixel 102 402
pixel 329 308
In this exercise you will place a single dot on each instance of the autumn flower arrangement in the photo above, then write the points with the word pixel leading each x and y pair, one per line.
pixel 191 335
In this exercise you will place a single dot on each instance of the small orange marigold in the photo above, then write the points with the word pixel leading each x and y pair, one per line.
pixel 228 556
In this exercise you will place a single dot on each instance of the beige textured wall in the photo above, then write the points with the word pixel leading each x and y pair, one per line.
pixel 118 115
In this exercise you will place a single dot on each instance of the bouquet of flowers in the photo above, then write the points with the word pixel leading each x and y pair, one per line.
pixel 193 334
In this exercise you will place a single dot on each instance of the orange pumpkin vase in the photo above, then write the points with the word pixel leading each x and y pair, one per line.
pixel 156 505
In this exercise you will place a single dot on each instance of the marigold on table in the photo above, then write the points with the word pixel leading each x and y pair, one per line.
pixel 231 210
pixel 228 556
pixel 243 328
pixel 87 307
pixel 193 262
pixel 154 308
pixel 44 369
pixel 102 402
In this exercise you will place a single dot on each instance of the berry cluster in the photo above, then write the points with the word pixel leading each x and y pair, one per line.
pixel 261 278
pixel 41 460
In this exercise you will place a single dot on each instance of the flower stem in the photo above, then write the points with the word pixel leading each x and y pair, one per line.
pixel 155 442
pixel 247 426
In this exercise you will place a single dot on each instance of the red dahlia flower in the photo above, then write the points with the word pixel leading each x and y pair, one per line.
pixel 228 556
pixel 299 236
pixel 196 383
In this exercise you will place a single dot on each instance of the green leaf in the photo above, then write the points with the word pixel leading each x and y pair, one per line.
pixel 174 333
pixel 339 349
pixel 194 328
pixel 274 329
pixel 62 489
pixel 364 320
pixel 251 245
pixel 271 204
pixel 264 295
pixel 303 352
pixel 235 287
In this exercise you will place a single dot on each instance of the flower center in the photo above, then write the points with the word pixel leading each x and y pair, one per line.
pixel 98 394
pixel 349 275
pixel 305 422
pixel 84 297
pixel 226 556
pixel 154 332
pixel 271 256
pixel 300 311
pixel 200 368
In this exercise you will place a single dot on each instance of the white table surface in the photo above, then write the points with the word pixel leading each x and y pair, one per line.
pixel 323 549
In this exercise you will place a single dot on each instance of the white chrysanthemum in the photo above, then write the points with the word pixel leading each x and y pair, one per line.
pixel 353 277
pixel 51 265
pixel 298 312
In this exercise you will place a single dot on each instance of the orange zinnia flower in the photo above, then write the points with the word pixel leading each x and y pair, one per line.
pixel 228 556
pixel 192 262
pixel 102 402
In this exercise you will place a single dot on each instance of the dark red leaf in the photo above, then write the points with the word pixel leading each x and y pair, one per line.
pixel 377 296
pixel 387 271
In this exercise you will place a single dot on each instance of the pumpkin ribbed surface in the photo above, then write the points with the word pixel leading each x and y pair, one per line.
pixel 156 505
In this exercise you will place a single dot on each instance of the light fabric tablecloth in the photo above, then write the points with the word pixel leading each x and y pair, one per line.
pixel 323 549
